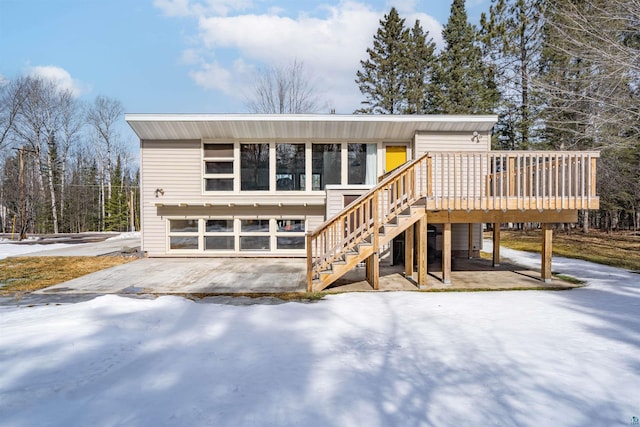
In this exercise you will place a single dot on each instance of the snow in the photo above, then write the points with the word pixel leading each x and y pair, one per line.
pixel 123 236
pixel 8 248
pixel 525 358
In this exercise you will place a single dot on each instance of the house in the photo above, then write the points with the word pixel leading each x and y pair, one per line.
pixel 340 189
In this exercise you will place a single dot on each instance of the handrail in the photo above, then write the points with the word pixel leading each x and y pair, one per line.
pixel 363 218
pixel 390 177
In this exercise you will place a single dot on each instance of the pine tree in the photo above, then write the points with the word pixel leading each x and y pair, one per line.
pixel 419 68
pixel 512 39
pixel 117 211
pixel 381 79
pixel 463 83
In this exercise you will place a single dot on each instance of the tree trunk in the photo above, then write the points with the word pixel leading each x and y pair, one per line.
pixel 52 194
pixel 585 221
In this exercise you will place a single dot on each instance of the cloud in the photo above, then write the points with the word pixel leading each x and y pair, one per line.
pixel 330 40
pixel 213 76
pixel 59 76
pixel 3 80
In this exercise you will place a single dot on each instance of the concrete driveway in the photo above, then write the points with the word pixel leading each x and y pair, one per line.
pixel 192 276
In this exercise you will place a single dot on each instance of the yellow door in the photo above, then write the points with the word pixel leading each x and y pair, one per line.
pixel 396 156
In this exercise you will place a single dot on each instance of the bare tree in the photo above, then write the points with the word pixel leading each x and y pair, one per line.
pixel 283 90
pixel 102 116
pixel 38 124
pixel 11 97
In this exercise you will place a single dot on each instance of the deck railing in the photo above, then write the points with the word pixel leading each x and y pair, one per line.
pixel 494 180
pixel 512 180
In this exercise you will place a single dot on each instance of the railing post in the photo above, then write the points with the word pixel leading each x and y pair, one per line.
pixel 309 241
pixel 592 192
pixel 375 262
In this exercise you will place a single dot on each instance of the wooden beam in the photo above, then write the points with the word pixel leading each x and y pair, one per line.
pixel 446 253
pixel 470 240
pixel 408 251
pixel 547 252
pixel 496 244
pixel 480 216
pixel 421 235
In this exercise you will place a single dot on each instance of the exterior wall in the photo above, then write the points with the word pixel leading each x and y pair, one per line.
pixel 336 194
pixel 172 188
pixel 450 141
pixel 174 167
pixel 460 239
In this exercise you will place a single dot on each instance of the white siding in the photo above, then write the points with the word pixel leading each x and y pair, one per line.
pixel 450 141
pixel 174 167
pixel 335 197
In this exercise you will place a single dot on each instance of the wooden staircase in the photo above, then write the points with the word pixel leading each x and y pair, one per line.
pixel 357 233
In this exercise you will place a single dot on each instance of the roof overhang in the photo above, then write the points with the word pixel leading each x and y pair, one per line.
pixel 301 126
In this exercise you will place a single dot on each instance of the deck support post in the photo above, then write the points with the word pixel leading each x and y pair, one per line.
pixel 409 243
pixel 309 241
pixel 446 253
pixel 496 244
pixel 470 240
pixel 547 251
pixel 421 237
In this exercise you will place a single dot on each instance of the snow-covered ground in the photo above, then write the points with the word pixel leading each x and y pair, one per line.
pixel 527 358
pixel 9 248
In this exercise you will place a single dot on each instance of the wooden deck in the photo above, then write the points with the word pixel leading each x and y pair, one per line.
pixel 446 188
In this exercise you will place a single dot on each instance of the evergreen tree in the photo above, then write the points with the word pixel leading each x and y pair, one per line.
pixel 419 68
pixel 512 40
pixel 381 79
pixel 463 83
pixel 117 209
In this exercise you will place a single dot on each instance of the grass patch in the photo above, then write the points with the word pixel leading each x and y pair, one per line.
pixel 569 279
pixel 619 249
pixel 28 274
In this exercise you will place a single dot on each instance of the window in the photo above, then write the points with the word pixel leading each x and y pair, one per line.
pixel 363 164
pixel 254 167
pixel 219 235
pixel 290 167
pixel 218 167
pixel 290 234
pixel 254 235
pixel 326 160
pixel 183 234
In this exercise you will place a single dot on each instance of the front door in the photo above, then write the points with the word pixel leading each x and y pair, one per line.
pixel 396 155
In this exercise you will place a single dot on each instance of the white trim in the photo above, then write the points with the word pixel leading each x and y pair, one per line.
pixel 298 118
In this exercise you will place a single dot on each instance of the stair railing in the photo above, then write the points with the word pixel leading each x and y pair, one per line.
pixel 358 222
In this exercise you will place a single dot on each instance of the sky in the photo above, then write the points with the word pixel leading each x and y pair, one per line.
pixel 199 56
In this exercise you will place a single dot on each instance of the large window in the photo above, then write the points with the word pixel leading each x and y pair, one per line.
pixel 290 234
pixel 183 234
pixel 286 166
pixel 218 167
pixel 254 235
pixel 363 164
pixel 290 167
pixel 254 167
pixel 327 163
pixel 219 235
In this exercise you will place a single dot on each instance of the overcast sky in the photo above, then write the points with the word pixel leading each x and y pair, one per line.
pixel 173 56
